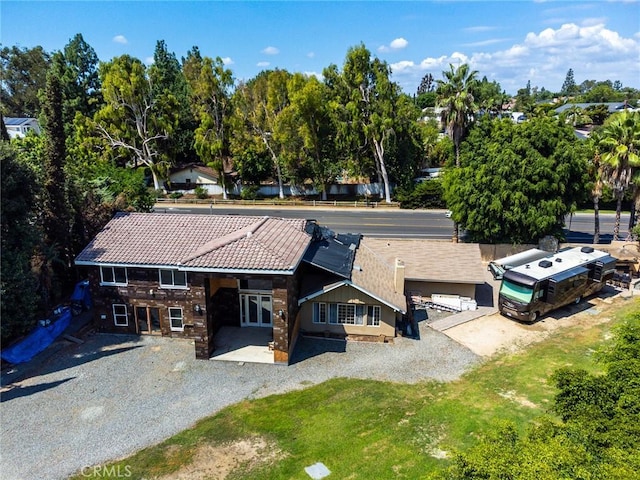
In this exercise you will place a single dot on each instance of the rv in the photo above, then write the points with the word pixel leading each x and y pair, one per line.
pixel 533 289
pixel 498 267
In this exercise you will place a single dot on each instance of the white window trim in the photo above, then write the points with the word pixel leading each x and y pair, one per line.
pixel 115 316
pixel 114 283
pixel 317 321
pixel 172 285
pixel 176 329
pixel 372 318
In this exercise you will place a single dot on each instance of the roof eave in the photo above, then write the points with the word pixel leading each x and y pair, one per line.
pixel 186 268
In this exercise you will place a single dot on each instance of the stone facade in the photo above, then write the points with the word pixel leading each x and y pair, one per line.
pixel 209 302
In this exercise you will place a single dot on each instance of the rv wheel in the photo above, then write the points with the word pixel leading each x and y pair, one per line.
pixel 533 316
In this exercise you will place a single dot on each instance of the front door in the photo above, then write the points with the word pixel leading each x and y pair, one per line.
pixel 255 310
pixel 148 319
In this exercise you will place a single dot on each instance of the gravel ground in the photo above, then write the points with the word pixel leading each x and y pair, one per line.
pixel 115 394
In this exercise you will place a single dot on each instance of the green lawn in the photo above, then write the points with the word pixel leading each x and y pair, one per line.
pixel 375 430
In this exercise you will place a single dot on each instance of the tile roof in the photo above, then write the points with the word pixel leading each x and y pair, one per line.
pixel 432 260
pixel 374 275
pixel 218 242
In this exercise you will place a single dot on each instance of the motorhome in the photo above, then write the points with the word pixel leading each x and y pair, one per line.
pixel 499 266
pixel 533 289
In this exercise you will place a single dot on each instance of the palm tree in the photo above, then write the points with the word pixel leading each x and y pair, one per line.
pixel 619 145
pixel 597 171
pixel 455 97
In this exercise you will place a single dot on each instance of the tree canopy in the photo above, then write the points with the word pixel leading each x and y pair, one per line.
pixel 516 182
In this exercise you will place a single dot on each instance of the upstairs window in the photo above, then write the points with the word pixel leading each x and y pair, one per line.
pixel 113 276
pixel 173 279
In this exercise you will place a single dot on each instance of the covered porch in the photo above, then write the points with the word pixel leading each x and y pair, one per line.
pixel 237 344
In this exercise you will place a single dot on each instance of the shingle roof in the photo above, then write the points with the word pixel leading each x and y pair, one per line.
pixel 432 260
pixel 373 274
pixel 16 121
pixel 213 242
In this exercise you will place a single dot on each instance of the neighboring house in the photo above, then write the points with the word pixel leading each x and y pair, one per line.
pixel 188 177
pixel 189 275
pixel 612 107
pixel 19 127
pixel 434 266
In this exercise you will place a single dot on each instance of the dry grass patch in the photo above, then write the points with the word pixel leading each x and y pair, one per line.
pixel 217 462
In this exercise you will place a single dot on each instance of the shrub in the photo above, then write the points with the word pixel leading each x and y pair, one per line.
pixel 201 192
pixel 426 194
pixel 176 195
pixel 250 192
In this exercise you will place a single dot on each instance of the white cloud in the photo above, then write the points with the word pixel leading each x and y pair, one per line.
pixel 120 39
pixel 396 44
pixel 227 61
pixel 484 43
pixel 263 64
pixel 149 61
pixel 271 51
pixel 479 29
pixel 314 74
pixel 311 54
pixel 591 50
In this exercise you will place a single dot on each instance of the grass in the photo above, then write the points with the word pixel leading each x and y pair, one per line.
pixel 368 429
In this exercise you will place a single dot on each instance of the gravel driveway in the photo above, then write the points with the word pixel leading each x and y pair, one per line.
pixel 115 394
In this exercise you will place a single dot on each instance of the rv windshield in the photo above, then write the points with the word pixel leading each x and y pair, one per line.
pixel 514 291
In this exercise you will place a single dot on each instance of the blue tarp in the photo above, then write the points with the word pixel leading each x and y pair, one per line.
pixel 81 297
pixel 43 336
pixel 39 339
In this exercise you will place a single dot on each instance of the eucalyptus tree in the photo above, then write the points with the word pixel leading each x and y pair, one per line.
pixel 134 119
pixel 456 99
pixel 210 88
pixel 620 144
pixel 365 104
pixel 257 104
pixel 306 131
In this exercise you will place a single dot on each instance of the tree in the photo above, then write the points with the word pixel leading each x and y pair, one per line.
pixel 78 72
pixel 19 237
pixel 426 84
pixel 168 81
pixel 455 97
pixel 56 258
pixel 569 86
pixel 596 173
pixel 210 85
pixel 516 182
pixel 257 105
pixel 619 144
pixel 306 132
pixel 134 119
pixel 365 108
pixel 489 96
pixel 24 74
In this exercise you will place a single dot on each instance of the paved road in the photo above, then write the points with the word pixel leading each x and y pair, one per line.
pixel 379 222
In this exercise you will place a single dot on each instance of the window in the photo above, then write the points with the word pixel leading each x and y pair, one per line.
pixel 113 276
pixel 173 279
pixel 175 319
pixel 373 316
pixel 319 313
pixel 346 313
pixel 333 313
pixel 120 316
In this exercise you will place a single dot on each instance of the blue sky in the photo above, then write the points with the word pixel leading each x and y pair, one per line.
pixel 507 41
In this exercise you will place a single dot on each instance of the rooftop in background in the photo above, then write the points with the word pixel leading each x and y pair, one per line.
pixel 613 107
pixel 18 127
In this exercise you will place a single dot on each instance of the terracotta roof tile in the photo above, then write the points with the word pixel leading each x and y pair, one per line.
pixel 199 241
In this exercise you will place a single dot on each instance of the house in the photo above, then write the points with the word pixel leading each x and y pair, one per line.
pixel 188 276
pixel 19 127
pixel 433 266
pixel 188 177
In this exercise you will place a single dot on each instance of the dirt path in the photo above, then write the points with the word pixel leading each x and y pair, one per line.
pixel 492 334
